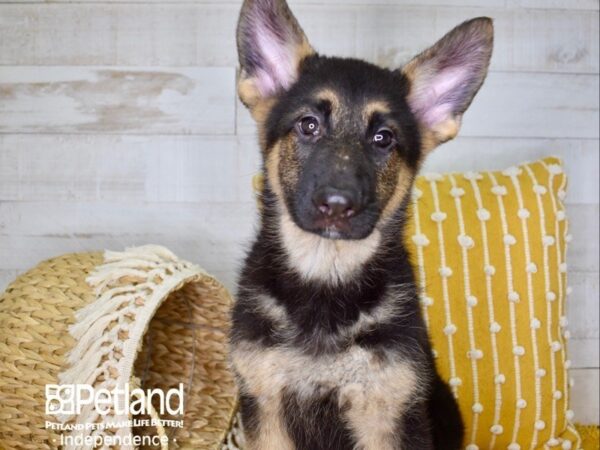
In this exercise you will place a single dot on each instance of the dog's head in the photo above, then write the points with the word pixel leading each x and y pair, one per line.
pixel 342 139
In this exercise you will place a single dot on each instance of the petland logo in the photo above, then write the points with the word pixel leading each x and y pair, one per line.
pixel 69 399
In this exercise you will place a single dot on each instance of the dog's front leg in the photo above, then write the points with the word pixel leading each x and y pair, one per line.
pixel 261 381
pixel 416 433
pixel 372 418
pixel 263 422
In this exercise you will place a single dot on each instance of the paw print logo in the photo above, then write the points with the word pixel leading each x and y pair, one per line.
pixel 60 399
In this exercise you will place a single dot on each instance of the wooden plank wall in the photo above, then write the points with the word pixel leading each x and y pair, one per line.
pixel 119 124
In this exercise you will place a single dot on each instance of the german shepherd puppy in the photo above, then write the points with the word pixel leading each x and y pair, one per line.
pixel 328 344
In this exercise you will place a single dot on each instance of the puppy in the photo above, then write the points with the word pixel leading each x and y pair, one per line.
pixel 328 344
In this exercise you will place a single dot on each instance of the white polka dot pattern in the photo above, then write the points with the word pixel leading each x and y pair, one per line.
pixel 490 250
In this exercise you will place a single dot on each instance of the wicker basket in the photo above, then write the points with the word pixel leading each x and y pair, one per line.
pixel 141 316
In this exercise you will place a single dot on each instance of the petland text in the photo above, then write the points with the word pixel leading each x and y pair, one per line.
pixel 70 399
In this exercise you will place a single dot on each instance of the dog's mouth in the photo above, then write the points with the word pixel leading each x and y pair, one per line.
pixel 337 232
pixel 356 227
pixel 333 228
pixel 332 232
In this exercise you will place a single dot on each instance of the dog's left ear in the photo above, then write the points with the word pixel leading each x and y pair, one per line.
pixel 271 46
pixel 445 78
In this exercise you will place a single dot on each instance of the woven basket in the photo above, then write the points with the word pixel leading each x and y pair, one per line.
pixel 142 317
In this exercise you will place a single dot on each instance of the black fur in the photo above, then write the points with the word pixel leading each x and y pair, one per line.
pixel 294 320
pixel 317 308
pixel 301 416
pixel 320 310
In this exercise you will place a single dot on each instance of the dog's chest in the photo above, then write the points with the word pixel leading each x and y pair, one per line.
pixel 370 392
pixel 355 372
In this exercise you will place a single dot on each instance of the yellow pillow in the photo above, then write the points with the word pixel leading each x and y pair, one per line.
pixel 590 436
pixel 489 253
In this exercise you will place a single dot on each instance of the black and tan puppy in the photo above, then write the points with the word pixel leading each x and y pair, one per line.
pixel 328 343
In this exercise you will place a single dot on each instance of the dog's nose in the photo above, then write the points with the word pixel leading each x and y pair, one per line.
pixel 335 204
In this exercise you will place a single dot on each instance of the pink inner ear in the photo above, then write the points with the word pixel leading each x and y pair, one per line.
pixel 435 98
pixel 279 70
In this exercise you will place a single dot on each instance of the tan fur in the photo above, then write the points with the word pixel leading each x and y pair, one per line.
pixel 272 434
pixel 250 96
pixel 248 92
pixel 268 307
pixel 447 130
pixel 272 169
pixel 290 165
pixel 429 140
pixel 259 107
pixel 403 183
pixel 283 167
pixel 432 138
pixel 303 50
pixel 324 259
pixel 372 108
pixel 331 97
pixel 371 391
pixel 375 407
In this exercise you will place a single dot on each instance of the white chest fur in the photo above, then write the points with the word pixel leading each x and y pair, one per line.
pixel 318 258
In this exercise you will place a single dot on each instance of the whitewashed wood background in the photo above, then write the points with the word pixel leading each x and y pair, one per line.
pixel 119 124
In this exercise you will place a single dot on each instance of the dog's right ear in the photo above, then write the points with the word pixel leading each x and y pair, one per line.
pixel 271 46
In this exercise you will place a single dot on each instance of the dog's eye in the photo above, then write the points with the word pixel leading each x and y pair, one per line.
pixel 309 126
pixel 383 138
